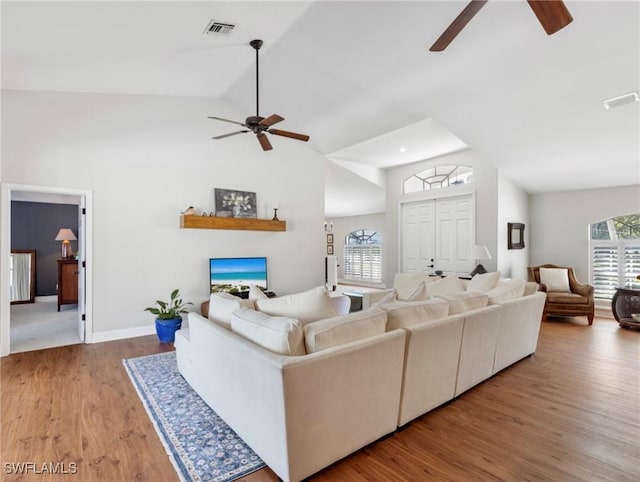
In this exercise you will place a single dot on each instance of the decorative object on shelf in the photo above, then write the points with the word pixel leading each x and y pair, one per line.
pixel 275 215
pixel 479 253
pixel 329 238
pixel 190 211
pixel 329 249
pixel 66 236
pixel 515 236
pixel 168 316
pixel 236 204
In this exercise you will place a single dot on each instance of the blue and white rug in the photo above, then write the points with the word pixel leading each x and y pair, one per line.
pixel 200 445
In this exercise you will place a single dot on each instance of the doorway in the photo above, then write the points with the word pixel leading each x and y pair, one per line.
pixel 46 322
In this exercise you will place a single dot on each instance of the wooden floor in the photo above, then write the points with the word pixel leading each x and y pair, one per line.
pixel 570 413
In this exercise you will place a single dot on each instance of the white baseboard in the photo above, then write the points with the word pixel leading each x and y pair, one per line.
pixel 42 299
pixel 113 335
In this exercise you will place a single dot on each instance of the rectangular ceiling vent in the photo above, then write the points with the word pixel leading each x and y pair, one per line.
pixel 215 27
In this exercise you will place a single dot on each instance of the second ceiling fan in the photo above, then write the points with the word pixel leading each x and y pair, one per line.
pixel 260 126
pixel 552 14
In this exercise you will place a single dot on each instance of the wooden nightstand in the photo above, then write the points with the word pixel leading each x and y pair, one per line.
pixel 67 282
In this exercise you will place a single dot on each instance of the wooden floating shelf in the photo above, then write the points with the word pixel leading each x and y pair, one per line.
pixel 243 224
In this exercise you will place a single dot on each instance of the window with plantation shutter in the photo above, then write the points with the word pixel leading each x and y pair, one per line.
pixel 363 257
pixel 615 255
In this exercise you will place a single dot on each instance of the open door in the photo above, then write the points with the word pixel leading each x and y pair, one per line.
pixel 81 268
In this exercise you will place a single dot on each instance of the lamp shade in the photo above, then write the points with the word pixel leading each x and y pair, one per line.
pixel 480 252
pixel 65 234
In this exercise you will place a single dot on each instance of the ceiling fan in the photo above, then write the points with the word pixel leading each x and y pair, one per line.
pixel 552 14
pixel 257 124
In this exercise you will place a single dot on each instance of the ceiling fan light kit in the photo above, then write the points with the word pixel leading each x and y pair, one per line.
pixel 260 126
pixel 553 15
pixel 621 100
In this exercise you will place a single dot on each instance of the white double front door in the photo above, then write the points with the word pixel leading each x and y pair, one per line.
pixel 438 235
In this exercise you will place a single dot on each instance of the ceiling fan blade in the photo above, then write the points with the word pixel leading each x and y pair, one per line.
pixel 272 119
pixel 227 120
pixel 264 142
pixel 457 25
pixel 229 135
pixel 552 14
pixel 292 135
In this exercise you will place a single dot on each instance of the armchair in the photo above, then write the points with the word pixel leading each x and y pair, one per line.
pixel 577 300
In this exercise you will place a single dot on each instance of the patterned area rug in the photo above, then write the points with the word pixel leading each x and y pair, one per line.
pixel 200 445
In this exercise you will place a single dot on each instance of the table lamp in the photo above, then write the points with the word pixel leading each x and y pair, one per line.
pixel 66 236
pixel 479 253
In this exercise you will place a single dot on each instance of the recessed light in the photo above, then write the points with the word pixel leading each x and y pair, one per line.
pixel 403 149
pixel 629 98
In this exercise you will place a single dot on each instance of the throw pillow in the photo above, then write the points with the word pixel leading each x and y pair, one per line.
pixel 388 298
pixel 324 334
pixel 555 279
pixel 222 306
pixel 507 290
pixel 306 307
pixel 256 293
pixel 419 294
pixel 407 284
pixel 445 286
pixel 465 301
pixel 483 283
pixel 406 313
pixel 275 333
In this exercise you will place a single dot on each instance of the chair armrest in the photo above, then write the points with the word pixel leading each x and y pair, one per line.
pixel 583 290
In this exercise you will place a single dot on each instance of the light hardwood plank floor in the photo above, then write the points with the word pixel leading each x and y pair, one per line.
pixel 569 413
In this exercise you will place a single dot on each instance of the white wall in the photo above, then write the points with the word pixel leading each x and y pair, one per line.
pixel 560 223
pixel 344 225
pixel 146 158
pixel 513 207
pixel 485 186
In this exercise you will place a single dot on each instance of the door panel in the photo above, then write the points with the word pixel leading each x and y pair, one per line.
pixel 418 237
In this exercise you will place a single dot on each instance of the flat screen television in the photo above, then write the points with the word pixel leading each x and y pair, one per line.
pixel 236 275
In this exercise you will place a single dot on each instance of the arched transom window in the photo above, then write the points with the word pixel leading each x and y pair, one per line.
pixel 437 177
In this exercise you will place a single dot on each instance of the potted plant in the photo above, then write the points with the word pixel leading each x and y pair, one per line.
pixel 168 316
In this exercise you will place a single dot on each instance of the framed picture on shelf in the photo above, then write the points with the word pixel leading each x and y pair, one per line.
pixel 235 204
pixel 329 249
pixel 329 238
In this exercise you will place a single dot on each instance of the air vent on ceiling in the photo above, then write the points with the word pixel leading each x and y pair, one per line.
pixel 215 27
pixel 621 100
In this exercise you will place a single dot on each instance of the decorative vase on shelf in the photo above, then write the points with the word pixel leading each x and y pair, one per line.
pixel 236 211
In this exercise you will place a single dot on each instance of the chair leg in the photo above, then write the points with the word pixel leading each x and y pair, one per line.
pixel 590 318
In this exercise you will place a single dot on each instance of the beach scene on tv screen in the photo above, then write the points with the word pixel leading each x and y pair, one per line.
pixel 234 275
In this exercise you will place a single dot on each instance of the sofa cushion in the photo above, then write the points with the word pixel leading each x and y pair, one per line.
pixel 278 334
pixel 464 301
pixel 406 313
pixel 445 286
pixel 507 290
pixel 555 279
pixel 406 285
pixel 256 293
pixel 324 334
pixel 308 306
pixel 483 283
pixel 566 298
pixel 222 305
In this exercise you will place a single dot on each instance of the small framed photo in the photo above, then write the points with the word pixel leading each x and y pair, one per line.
pixel 230 203
pixel 329 238
pixel 329 248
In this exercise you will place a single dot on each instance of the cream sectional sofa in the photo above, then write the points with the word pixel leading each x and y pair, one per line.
pixel 363 374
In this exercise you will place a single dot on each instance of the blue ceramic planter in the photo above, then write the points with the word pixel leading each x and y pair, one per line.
pixel 166 329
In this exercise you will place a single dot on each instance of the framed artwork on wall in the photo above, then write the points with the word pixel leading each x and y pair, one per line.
pixel 329 249
pixel 329 238
pixel 515 236
pixel 235 204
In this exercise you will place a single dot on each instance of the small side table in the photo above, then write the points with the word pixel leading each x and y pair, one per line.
pixel 624 303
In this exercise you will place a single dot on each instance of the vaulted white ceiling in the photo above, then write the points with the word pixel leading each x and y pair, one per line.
pixel 356 75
